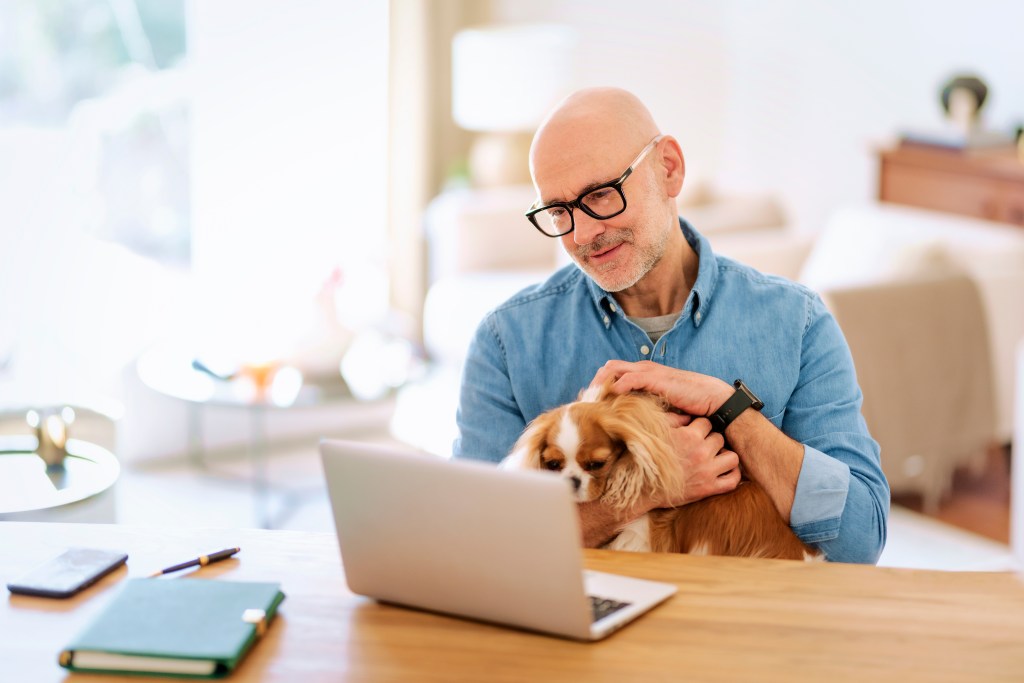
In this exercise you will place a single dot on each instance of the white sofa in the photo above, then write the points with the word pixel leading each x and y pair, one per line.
pixel 920 295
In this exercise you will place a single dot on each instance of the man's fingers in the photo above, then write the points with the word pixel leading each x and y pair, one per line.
pixel 678 419
pixel 703 426
pixel 728 481
pixel 716 440
pixel 634 381
pixel 727 461
pixel 630 376
pixel 611 372
pixel 603 376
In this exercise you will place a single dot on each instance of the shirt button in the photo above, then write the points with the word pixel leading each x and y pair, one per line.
pixel 645 350
pixel 606 320
pixel 697 317
pixel 612 306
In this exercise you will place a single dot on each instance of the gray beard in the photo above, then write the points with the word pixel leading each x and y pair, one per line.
pixel 649 259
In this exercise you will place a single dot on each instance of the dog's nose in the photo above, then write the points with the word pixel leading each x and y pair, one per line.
pixel 576 482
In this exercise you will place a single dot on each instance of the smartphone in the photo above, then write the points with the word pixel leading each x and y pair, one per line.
pixel 68 573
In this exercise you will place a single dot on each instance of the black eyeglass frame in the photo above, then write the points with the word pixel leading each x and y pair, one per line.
pixel 578 202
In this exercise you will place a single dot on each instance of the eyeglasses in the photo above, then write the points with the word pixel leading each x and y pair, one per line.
pixel 601 202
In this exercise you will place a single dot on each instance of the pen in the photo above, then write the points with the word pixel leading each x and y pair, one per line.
pixel 200 561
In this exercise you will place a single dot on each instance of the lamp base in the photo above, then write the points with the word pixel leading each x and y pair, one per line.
pixel 499 159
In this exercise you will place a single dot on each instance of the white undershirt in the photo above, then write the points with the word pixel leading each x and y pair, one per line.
pixel 657 326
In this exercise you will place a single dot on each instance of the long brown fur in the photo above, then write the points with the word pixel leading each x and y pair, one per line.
pixel 741 523
pixel 630 432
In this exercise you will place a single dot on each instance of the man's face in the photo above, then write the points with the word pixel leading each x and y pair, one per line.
pixel 616 252
pixel 619 252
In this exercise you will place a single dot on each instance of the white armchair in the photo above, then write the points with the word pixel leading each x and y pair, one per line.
pixel 932 306
pixel 921 349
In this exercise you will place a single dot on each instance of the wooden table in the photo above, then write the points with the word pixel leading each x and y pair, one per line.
pixel 732 620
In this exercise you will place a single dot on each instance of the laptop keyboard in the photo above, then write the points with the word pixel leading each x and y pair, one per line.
pixel 602 607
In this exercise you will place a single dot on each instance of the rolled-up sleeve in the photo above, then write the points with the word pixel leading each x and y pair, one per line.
pixel 820 496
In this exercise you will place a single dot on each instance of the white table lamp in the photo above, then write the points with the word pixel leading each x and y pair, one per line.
pixel 505 79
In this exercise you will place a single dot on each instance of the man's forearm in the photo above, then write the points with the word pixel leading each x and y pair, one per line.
pixel 768 456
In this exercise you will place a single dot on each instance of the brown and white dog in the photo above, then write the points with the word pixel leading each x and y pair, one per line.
pixel 617 448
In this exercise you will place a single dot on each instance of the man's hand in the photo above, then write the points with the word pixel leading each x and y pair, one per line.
pixel 778 460
pixel 689 392
pixel 707 467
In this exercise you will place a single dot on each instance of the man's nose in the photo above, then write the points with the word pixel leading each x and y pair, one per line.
pixel 587 228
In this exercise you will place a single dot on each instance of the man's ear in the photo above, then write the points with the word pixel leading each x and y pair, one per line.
pixel 673 165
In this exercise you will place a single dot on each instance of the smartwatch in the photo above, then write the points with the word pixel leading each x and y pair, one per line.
pixel 741 399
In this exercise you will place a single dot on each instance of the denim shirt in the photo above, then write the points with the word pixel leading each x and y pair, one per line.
pixel 541 347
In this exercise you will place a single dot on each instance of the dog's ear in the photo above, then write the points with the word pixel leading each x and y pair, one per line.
pixel 525 454
pixel 638 421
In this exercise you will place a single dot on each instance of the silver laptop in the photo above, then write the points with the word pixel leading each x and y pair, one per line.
pixel 470 540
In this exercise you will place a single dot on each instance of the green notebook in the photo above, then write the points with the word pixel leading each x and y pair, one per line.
pixel 175 627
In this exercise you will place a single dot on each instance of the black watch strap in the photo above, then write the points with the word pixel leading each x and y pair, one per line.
pixel 741 399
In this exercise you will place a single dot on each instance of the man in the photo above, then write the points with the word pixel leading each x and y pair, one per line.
pixel 650 307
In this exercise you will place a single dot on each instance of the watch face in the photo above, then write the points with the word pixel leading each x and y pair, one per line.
pixel 755 402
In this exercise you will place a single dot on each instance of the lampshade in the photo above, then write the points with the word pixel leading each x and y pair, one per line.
pixel 506 78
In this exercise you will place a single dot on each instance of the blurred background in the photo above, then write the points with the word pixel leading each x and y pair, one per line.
pixel 229 228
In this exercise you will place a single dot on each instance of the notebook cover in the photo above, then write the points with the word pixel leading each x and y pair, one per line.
pixel 178 619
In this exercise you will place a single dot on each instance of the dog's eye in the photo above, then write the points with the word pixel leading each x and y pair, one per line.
pixel 593 465
pixel 553 465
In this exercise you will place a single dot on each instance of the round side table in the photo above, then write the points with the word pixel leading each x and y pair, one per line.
pixel 80 492
pixel 168 370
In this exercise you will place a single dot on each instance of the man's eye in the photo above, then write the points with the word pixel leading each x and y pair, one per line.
pixel 556 212
pixel 553 465
pixel 599 195
pixel 593 465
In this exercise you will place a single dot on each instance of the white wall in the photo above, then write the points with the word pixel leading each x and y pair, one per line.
pixel 288 181
pixel 793 96
pixel 289 114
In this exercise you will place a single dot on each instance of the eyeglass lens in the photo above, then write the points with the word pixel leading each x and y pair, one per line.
pixel 604 202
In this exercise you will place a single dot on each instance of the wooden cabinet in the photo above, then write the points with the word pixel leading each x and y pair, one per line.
pixel 984 184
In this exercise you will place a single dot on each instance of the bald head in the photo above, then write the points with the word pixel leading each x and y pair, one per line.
pixel 593 128
pixel 578 154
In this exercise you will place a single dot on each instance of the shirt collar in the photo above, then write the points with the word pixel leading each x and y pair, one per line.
pixel 699 299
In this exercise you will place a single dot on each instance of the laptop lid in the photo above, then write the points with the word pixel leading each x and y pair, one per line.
pixel 465 538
